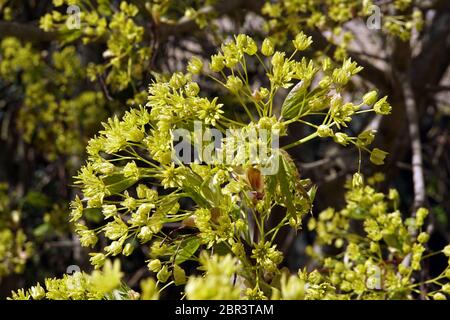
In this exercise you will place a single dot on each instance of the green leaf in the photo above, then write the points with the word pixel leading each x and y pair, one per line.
pixel 392 241
pixel 37 199
pixel 294 100
pixel 167 204
pixel 221 249
pixel 187 248
pixel 312 193
pixel 93 214
pixel 283 176
pixel 271 184
pixel 179 276
pixel 117 183
pixel 42 230
pixel 199 189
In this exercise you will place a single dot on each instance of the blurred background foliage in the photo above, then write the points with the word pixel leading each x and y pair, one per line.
pixel 58 84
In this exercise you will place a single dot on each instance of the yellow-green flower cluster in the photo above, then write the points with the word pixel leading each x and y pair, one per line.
pixel 398 18
pixel 147 197
pixel 216 284
pixel 78 286
pixel 51 109
pixel 126 56
pixel 383 261
pixel 15 248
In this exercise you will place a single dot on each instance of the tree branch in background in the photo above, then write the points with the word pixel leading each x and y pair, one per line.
pixel 416 145
pixel 27 32
pixel 371 73
pixel 188 25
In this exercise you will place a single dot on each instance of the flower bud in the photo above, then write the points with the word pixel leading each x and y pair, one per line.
pixel 374 247
pixel 393 195
pixel 154 265
pixel 128 249
pixel 365 138
pixel 336 102
pixel 192 89
pixel 326 64
pixel 37 292
pixel 439 296
pixel 377 156
pixel 134 134
pixel 370 98
pixel 423 237
pixel 341 138
pixel 97 259
pixel 241 41
pixel 446 288
pixel 278 59
pixel 177 80
pixel 446 250
pixel 421 214
pixel 267 47
pixel 234 84
pixel 105 168
pixel 324 131
pixel 357 181
pixel 302 42
pixel 217 63
pixel 240 225
pixel 141 191
pixel 88 238
pixel 195 65
pixel 145 234
pixel 340 77
pixel 144 209
pixel 131 170
pixel 114 248
pixel 109 210
pixel 246 44
pixel 325 82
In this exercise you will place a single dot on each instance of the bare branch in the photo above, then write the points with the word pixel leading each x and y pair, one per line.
pixel 27 32
pixel 371 73
pixel 187 25
pixel 438 88
pixel 416 145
